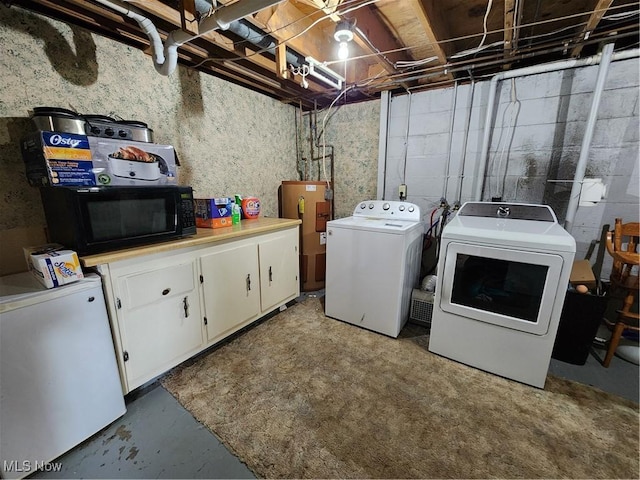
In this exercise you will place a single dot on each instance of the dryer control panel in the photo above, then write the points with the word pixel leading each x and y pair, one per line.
pixel 388 209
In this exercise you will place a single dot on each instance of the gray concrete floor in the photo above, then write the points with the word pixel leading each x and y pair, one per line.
pixel 158 438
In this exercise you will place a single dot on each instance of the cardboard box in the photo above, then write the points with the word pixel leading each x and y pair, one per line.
pixel 53 265
pixel 214 222
pixel 70 160
pixel 582 274
pixel 213 212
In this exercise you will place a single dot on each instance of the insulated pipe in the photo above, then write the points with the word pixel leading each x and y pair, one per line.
pixel 581 167
pixel 522 72
pixel 165 60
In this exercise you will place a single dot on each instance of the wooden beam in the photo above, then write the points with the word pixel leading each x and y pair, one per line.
pixel 329 7
pixel 595 17
pixel 512 21
pixel 509 22
pixel 188 18
pixel 281 61
pixel 287 23
pixel 376 38
pixel 433 27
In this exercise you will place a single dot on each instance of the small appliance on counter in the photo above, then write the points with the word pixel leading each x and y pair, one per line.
pixel 100 219
pixel 54 119
pixel 71 149
pixel 72 160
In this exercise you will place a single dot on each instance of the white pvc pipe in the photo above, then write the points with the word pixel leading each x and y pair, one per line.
pixel 165 60
pixel 145 24
pixel 581 167
pixel 454 99
pixel 522 72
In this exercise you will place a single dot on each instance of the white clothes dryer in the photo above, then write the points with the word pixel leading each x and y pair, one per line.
pixel 373 264
pixel 503 272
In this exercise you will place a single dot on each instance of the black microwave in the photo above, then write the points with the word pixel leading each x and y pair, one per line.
pixel 98 219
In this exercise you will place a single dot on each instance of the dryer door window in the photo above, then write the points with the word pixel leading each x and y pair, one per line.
pixel 510 288
pixel 499 286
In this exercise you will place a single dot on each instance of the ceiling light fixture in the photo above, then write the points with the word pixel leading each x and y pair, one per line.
pixel 321 72
pixel 343 34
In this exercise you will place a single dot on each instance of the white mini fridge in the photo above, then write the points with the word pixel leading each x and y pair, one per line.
pixel 59 381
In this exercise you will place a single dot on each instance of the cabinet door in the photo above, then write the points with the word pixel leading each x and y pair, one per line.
pixel 161 320
pixel 231 288
pixel 278 268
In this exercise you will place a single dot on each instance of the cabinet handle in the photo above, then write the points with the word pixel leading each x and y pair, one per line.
pixel 270 275
pixel 166 291
pixel 185 304
pixel 91 299
pixel 248 282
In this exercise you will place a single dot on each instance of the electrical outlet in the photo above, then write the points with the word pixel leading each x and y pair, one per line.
pixel 402 191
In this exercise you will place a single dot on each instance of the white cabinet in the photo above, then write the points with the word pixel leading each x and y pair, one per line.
pixel 165 307
pixel 159 319
pixel 245 279
pixel 278 268
pixel 231 287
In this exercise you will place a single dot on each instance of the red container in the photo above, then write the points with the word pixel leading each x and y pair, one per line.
pixel 250 207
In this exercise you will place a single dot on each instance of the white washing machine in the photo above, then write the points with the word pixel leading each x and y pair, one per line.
pixel 502 278
pixel 373 263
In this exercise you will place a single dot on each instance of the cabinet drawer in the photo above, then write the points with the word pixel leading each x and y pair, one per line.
pixel 150 287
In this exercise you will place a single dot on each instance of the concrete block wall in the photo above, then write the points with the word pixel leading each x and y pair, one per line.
pixel 535 145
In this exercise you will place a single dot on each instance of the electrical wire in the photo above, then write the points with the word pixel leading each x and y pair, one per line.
pixel 484 24
pixel 324 143
pixel 418 62
pixel 499 58
pixel 428 44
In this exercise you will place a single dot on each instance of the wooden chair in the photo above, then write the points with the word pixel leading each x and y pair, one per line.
pixel 622 245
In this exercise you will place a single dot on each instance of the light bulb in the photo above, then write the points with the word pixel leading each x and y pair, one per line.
pixel 343 51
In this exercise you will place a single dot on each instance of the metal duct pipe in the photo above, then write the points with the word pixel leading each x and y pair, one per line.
pixel 221 19
pixel 522 72
pixel 581 167
pixel 257 37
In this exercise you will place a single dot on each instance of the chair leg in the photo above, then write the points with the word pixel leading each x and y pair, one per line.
pixel 613 343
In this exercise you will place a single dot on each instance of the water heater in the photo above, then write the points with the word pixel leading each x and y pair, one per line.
pixel 306 200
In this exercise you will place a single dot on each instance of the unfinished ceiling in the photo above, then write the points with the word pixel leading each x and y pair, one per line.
pixel 284 50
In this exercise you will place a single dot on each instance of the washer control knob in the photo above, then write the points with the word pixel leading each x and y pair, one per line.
pixel 370 206
pixel 401 208
pixel 386 206
pixel 363 205
pixel 411 209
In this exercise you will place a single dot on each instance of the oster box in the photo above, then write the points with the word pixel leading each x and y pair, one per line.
pixel 71 160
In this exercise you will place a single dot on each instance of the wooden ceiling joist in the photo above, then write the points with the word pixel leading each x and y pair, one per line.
pixel 595 17
pixel 433 28
pixel 376 38
pixel 509 23
pixel 188 17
